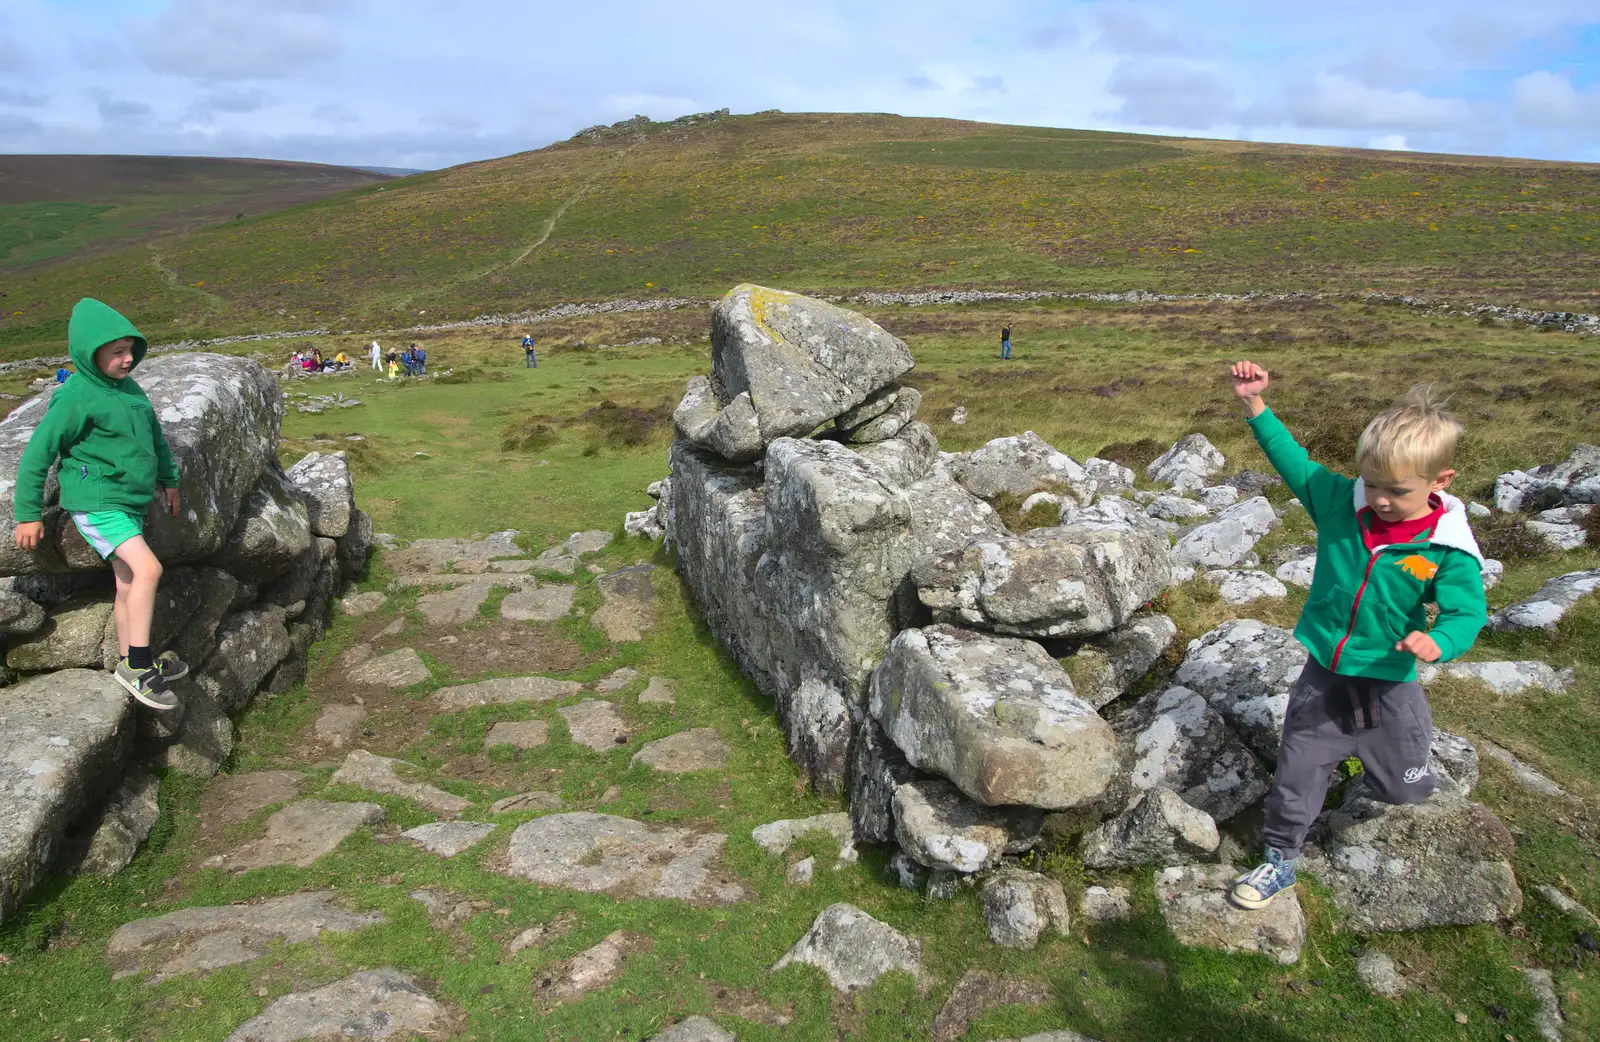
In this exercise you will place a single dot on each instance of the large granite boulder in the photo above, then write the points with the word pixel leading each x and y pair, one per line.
pixel 1020 465
pixel 63 741
pixel 781 366
pixel 1195 906
pixel 249 644
pixel 1108 667
pixel 1225 540
pixel 1245 669
pixel 324 479
pixel 884 423
pixel 877 769
pixel 1443 862
pixel 1547 607
pixel 1173 739
pixel 1188 465
pixel 72 636
pixel 1075 580
pixel 273 531
pixel 1159 829
pixel 1574 480
pixel 995 715
pixel 220 415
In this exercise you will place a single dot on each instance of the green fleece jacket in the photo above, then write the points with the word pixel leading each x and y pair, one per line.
pixel 1363 602
pixel 104 431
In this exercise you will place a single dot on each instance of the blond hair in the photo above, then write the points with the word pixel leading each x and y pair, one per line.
pixel 1414 435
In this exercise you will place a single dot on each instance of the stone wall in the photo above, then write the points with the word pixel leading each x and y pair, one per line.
pixel 252 563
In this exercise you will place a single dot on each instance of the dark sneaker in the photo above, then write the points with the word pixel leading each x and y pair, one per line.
pixel 146 685
pixel 172 667
pixel 1256 888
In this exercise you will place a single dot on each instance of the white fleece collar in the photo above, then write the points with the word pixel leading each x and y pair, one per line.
pixel 1453 530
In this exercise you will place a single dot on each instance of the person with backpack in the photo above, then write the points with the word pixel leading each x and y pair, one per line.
pixel 529 359
pixel 1005 342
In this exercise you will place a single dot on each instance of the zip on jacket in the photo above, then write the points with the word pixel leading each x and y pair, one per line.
pixel 1363 602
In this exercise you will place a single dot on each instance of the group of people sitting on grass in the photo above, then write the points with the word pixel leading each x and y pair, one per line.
pixel 313 362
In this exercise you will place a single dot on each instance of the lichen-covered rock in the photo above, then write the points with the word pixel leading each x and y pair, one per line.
pixel 72 636
pixel 945 516
pixel 63 741
pixel 1188 465
pixel 1196 909
pixel 1245 670
pixel 1177 508
pixel 1243 585
pixel 273 531
pixel 249 644
pixel 1160 829
pixel 324 479
pixel 382 774
pixel 220 415
pixel 1108 667
pixel 1173 739
pixel 888 423
pixel 877 769
pixel 1503 678
pixel 1444 862
pixel 1574 480
pixel 104 843
pixel 19 614
pixel 1546 608
pixel 853 949
pixel 1225 540
pixel 1020 465
pixel 1019 906
pixel 1078 579
pixel 939 827
pixel 378 1004
pixel 782 365
pixel 997 716
pixel 355 545
pixel 598 853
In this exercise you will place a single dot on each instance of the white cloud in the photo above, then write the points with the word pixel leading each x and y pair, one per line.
pixel 237 39
pixel 1127 31
pixel 1169 94
pixel 1338 102
pixel 1546 99
pixel 1389 142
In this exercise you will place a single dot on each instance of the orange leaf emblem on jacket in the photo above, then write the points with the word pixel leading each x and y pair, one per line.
pixel 1418 567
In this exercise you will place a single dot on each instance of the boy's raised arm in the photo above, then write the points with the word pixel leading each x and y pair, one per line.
pixel 1292 462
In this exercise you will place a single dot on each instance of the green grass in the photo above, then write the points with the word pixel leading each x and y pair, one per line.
pixel 836 203
pixel 1084 377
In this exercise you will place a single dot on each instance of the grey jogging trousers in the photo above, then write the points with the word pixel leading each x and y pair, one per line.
pixel 1331 718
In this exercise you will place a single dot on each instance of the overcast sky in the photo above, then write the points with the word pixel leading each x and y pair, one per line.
pixel 430 83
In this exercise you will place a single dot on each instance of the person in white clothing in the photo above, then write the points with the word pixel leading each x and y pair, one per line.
pixel 377 357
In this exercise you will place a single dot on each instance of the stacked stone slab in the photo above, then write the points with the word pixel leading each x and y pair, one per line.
pixel 252 562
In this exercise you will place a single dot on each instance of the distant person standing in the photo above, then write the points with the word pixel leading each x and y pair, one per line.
pixel 377 357
pixel 422 360
pixel 529 359
pixel 1005 341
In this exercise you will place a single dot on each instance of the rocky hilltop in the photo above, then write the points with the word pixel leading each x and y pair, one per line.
pixel 252 563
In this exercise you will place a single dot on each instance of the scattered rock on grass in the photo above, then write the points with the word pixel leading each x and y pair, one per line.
pixel 660 691
pixel 776 837
pixel 699 749
pixel 1381 976
pixel 1550 605
pixel 543 933
pixel 853 949
pixel 614 682
pixel 1527 776
pixel 1104 904
pixel 453 606
pixel 1160 829
pixel 396 669
pixel 694 1029
pixel 505 691
pixel 1542 984
pixel 449 838
pixel 300 833
pixel 379 774
pixel 520 734
pixel 1565 904
pixel 1243 585
pixel 527 801
pixel 629 608
pixel 199 940
pixel 363 603
pixel 378 1004
pixel 800 873
pixel 546 603
pixel 236 797
pixel 979 991
pixel 1196 909
pixel 588 970
pixel 1019 906
pixel 598 853
pixel 1503 678
pixel 339 723
pixel 595 724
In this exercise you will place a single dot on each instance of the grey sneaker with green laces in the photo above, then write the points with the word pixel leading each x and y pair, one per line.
pixel 148 686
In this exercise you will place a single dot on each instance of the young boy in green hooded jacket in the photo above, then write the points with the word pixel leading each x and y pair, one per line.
pixel 113 457
pixel 1389 543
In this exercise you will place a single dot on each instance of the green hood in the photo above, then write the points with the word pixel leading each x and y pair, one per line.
pixel 93 325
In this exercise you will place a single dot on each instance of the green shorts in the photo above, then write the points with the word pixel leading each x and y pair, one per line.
pixel 105 530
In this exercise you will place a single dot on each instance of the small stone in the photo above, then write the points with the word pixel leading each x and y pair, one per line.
pixel 454 606
pixel 543 933
pixel 907 873
pixel 379 774
pixel 521 734
pixel 943 884
pixel 527 801
pixel 660 691
pixel 376 1004
pixel 1298 572
pixel 1019 906
pixel 1542 984
pixel 1549 605
pixel 1195 906
pixel 339 723
pixel 363 603
pixel 1528 777
pixel 588 542
pixel 1102 904
pixel 449 838
pixel 700 749
pixel 1478 510
pixel 301 833
pixel 979 991
pixel 694 1029
pixel 940 827
pixel 1379 973
pixel 595 724
pixel 1565 904
pixel 396 669
pixel 599 853
pixel 1243 585
pixel 800 872
pixel 853 949
pixel 610 685
pixel 506 691
pixel 629 608
pixel 776 837
pixel 546 603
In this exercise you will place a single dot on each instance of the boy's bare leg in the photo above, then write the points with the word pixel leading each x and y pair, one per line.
pixel 138 574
